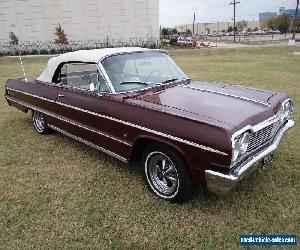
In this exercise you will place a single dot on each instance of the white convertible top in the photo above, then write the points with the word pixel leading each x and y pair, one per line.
pixel 92 56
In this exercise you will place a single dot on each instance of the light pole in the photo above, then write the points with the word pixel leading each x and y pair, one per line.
pixel 295 20
pixel 194 18
pixel 205 25
pixel 234 3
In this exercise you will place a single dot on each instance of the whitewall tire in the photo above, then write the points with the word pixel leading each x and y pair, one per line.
pixel 39 123
pixel 166 174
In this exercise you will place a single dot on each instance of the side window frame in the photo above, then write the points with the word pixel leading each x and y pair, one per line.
pixel 56 79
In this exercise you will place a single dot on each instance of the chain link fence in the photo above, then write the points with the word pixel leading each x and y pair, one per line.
pixel 50 47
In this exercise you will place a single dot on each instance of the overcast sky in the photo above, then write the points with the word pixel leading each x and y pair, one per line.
pixel 176 12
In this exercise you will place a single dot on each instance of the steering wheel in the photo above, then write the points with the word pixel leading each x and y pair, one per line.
pixel 151 74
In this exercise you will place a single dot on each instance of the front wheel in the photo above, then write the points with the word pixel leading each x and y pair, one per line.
pixel 166 174
pixel 39 123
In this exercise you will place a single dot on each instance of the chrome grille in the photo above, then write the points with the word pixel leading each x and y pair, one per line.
pixel 263 136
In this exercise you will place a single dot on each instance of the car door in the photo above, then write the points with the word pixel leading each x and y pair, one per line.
pixel 84 98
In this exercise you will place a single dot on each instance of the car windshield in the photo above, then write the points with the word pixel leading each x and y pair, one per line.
pixel 139 70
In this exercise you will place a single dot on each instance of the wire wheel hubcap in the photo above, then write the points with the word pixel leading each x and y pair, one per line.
pixel 38 121
pixel 162 174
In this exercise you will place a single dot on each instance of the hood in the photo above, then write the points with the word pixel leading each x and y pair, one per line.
pixel 216 104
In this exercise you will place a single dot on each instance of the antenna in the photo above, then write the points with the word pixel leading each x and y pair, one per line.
pixel 17 46
pixel 22 67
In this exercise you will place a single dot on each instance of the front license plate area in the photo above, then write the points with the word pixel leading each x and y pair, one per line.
pixel 267 160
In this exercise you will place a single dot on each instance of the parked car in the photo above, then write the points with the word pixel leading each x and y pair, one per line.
pixel 274 31
pixel 137 104
pixel 203 44
pixel 258 32
pixel 186 42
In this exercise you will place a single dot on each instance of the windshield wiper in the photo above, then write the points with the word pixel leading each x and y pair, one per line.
pixel 134 82
pixel 170 80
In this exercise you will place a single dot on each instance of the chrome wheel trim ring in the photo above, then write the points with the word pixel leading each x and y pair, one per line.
pixel 162 177
pixel 38 121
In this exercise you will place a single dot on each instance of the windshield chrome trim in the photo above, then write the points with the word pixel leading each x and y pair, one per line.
pixel 150 87
pixel 109 82
pixel 106 78
pixel 132 52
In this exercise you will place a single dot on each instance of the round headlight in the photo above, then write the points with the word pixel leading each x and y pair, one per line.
pixel 240 146
pixel 244 141
pixel 286 110
pixel 235 154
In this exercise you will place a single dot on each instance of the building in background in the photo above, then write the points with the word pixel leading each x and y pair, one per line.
pixel 201 28
pixel 35 20
pixel 290 12
pixel 265 15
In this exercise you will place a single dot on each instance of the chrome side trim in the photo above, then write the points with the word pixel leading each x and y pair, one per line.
pixel 131 125
pixel 223 183
pixel 226 94
pixel 81 89
pixel 252 88
pixel 25 93
pixel 67 121
pixel 89 144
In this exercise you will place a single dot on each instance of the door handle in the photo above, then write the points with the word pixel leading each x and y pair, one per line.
pixel 60 95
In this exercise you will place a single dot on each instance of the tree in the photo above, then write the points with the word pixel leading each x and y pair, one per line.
pixel 298 22
pixel 256 29
pixel 61 35
pixel 249 30
pixel 13 39
pixel 230 29
pixel 208 30
pixel 242 24
pixel 174 31
pixel 270 23
pixel 188 32
pixel 165 31
pixel 283 22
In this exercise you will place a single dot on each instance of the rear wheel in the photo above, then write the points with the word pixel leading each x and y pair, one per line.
pixel 39 123
pixel 166 173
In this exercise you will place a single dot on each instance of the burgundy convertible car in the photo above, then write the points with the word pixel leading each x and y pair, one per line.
pixel 135 103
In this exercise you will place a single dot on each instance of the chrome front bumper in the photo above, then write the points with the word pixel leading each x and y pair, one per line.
pixel 222 184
